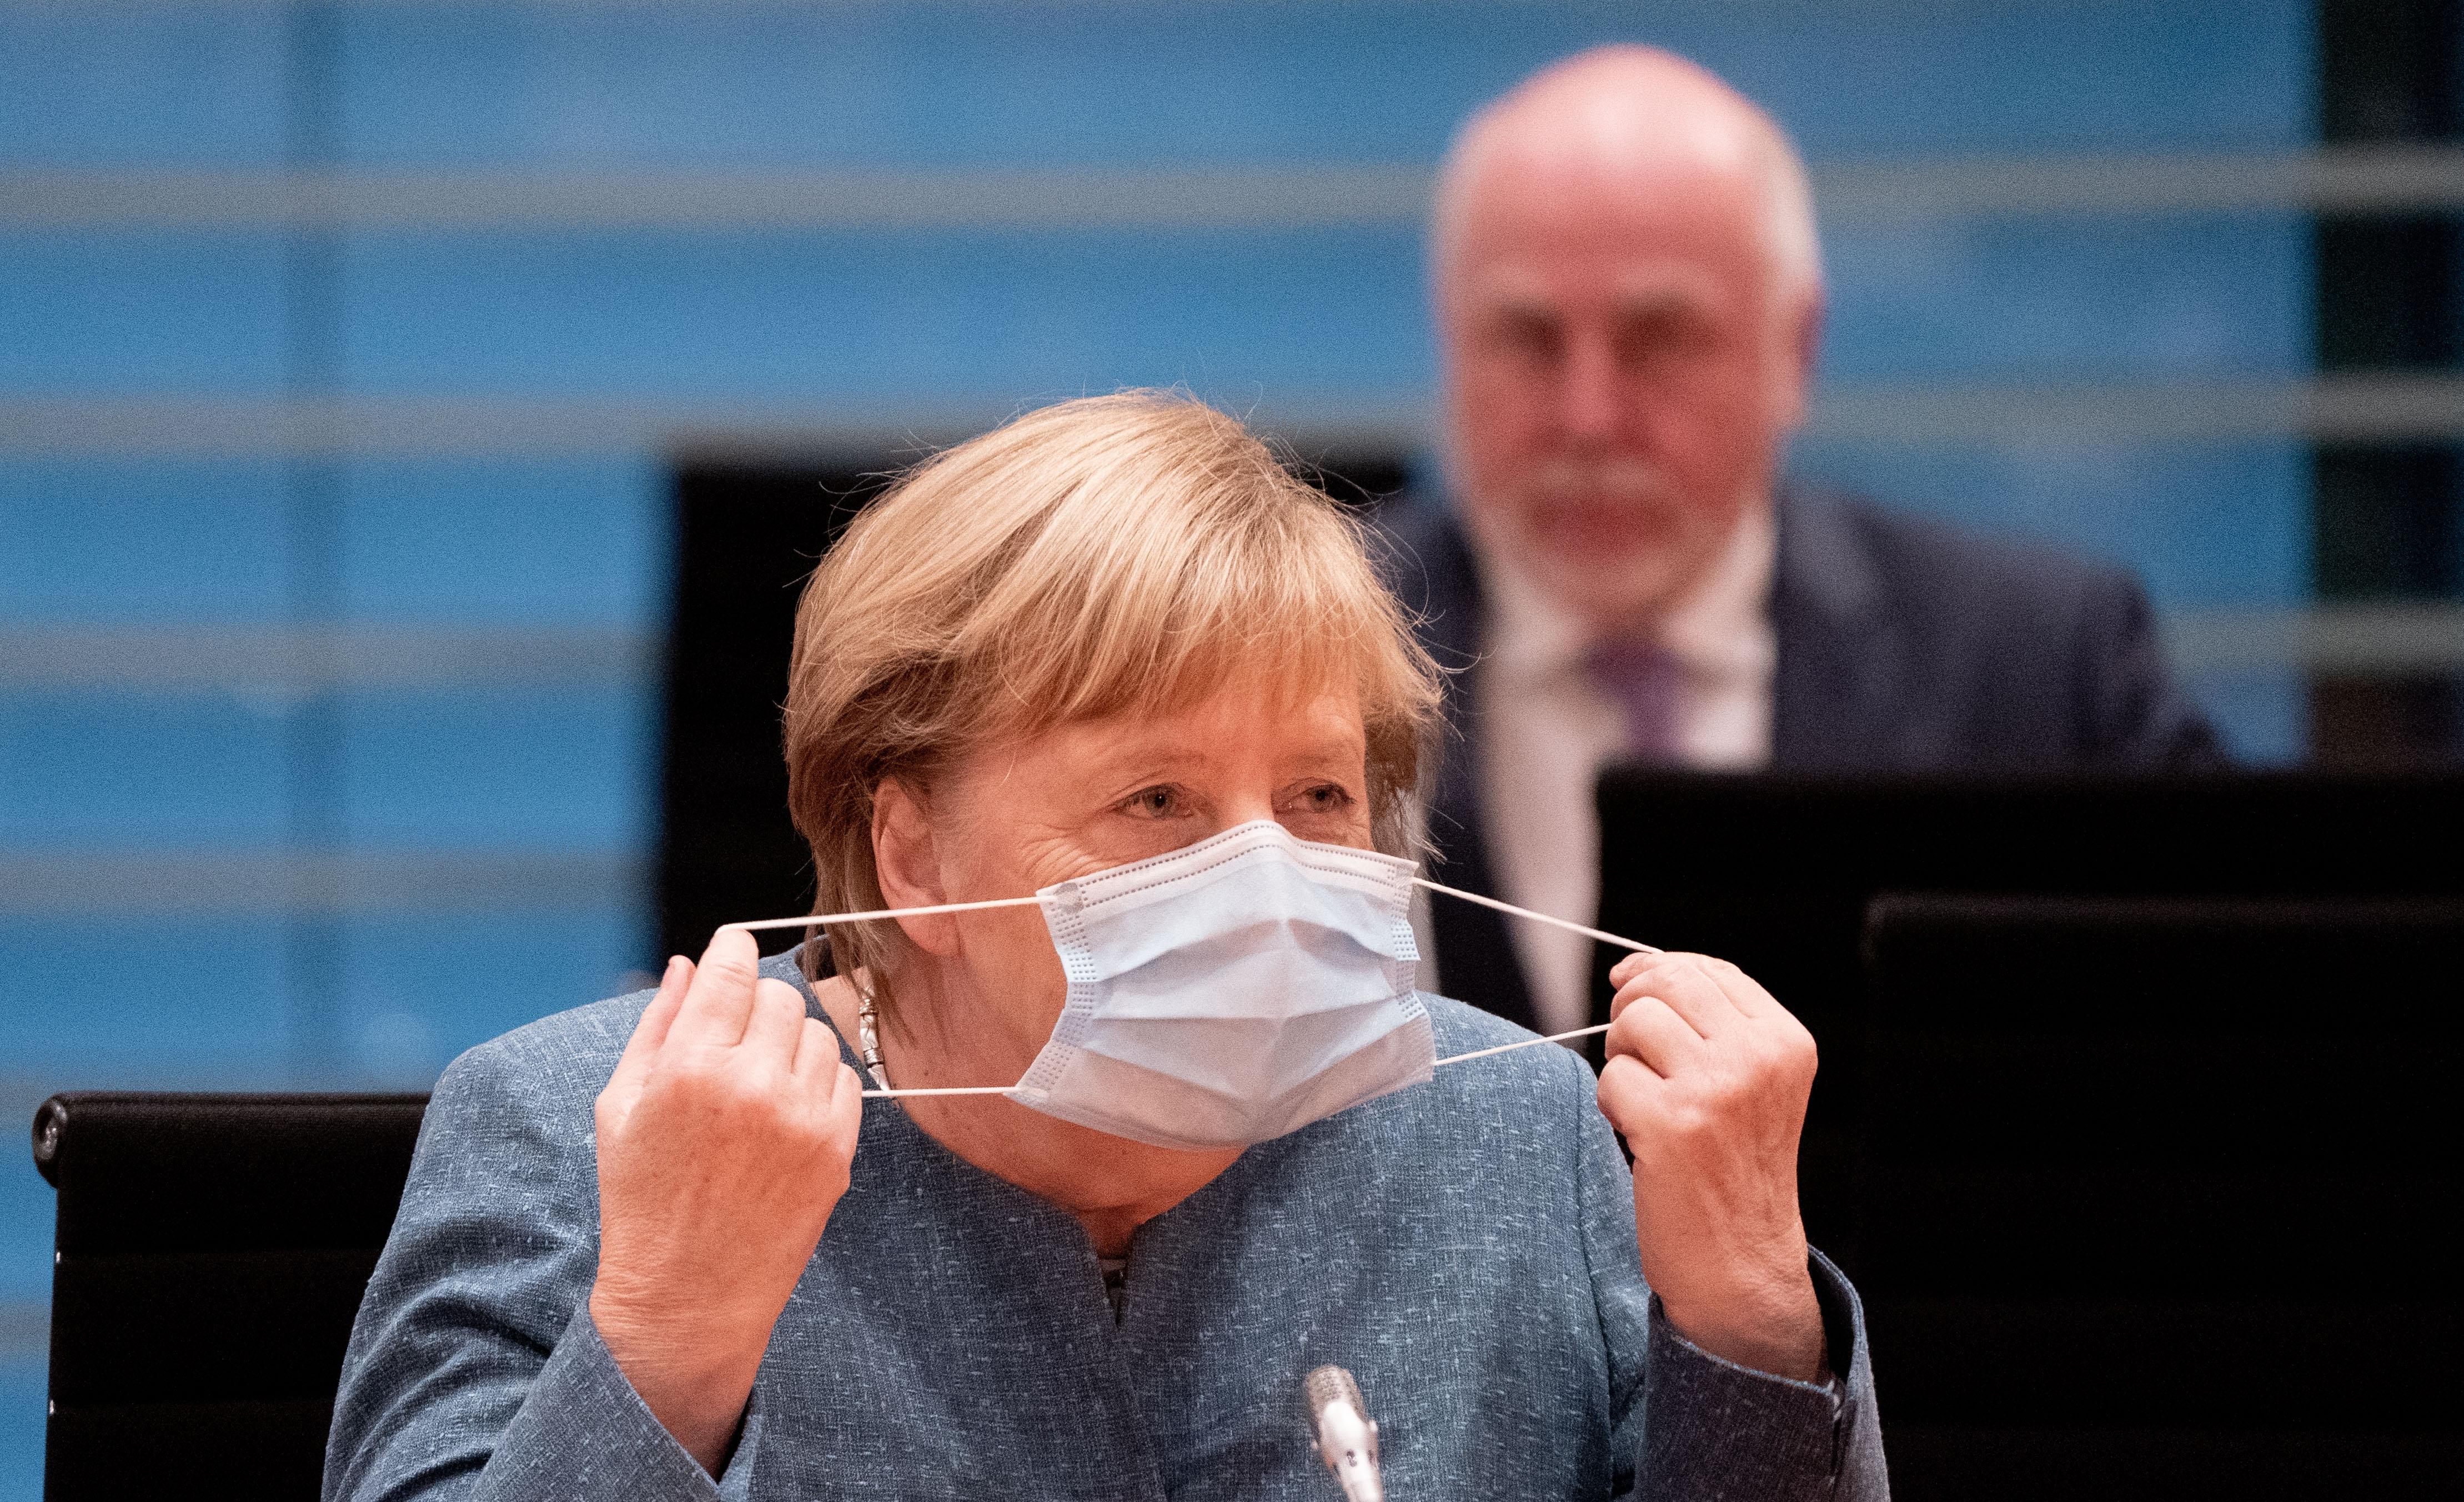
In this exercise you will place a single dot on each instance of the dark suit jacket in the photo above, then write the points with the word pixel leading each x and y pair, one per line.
pixel 1903 645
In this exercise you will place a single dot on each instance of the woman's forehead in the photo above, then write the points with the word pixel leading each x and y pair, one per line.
pixel 1239 721
pixel 1300 693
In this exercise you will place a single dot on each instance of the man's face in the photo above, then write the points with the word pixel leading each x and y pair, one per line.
pixel 1621 373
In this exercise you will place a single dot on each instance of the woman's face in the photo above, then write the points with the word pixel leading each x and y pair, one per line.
pixel 1084 798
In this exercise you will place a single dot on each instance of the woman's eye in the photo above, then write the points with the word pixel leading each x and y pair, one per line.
pixel 1326 799
pixel 1153 802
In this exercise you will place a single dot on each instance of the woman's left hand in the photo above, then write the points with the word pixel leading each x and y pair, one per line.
pixel 1707 1081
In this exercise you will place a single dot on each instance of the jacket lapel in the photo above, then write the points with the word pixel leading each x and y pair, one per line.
pixel 1839 673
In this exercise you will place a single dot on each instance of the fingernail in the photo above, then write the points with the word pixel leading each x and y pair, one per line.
pixel 675 962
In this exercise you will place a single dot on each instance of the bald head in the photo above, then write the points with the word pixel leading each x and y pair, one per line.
pixel 1631 120
pixel 1628 293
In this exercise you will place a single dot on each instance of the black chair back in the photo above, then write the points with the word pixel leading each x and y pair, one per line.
pixel 211 1252
pixel 2156 1196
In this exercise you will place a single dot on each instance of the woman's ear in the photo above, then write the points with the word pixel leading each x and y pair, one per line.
pixel 906 862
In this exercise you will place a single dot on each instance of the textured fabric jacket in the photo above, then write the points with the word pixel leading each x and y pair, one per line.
pixel 1903 645
pixel 1467 1248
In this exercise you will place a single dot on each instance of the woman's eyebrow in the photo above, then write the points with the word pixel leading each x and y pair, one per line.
pixel 1139 759
pixel 1347 760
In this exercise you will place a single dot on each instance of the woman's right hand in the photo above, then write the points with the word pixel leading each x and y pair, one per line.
pixel 726 1135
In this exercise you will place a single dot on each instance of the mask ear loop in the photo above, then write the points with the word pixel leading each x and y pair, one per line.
pixel 872 1051
pixel 867 1042
pixel 1603 937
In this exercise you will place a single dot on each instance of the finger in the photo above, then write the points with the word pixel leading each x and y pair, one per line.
pixel 719 1001
pixel 651 1029
pixel 1688 990
pixel 1633 975
pixel 1744 992
pixel 847 1105
pixel 817 1049
pixel 778 1020
pixel 1625 1090
pixel 1652 1033
pixel 1624 969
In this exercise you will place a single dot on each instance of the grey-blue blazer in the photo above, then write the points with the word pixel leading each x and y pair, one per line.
pixel 1466 1247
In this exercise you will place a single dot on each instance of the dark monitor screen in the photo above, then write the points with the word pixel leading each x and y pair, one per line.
pixel 2120 1154
pixel 2249 832
pixel 1774 871
pixel 746 539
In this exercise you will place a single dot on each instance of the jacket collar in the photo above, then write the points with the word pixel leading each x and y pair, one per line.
pixel 1821 569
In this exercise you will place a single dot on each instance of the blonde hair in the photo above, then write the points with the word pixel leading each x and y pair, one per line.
pixel 1116 554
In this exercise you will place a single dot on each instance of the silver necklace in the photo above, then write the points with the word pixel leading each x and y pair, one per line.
pixel 867 1040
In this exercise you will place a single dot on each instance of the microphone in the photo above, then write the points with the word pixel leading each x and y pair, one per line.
pixel 1347 1436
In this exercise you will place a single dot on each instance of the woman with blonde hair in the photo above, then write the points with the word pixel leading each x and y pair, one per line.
pixel 1108 1107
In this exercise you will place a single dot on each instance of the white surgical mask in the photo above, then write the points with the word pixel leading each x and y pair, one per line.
pixel 1228 992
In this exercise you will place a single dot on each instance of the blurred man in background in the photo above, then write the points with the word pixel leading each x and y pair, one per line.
pixel 1629 300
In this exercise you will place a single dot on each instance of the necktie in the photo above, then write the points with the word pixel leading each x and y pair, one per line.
pixel 1641 678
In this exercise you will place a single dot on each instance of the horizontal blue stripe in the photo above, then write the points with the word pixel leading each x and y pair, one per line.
pixel 131 540
pixel 2076 300
pixel 1284 318
pixel 1124 84
pixel 973 84
pixel 876 319
pixel 500 542
pixel 418 992
pixel 1006 317
pixel 571 544
pixel 219 1005
pixel 158 1004
pixel 128 770
pixel 214 1008
pixel 2204 527
pixel 122 85
pixel 96 311
pixel 567 769
pixel 573 769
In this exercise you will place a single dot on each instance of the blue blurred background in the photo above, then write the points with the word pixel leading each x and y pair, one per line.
pixel 349 353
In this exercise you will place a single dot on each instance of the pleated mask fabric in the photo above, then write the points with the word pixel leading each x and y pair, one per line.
pixel 1232 990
